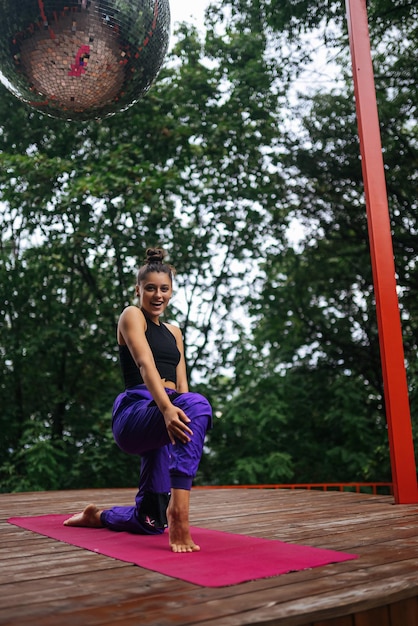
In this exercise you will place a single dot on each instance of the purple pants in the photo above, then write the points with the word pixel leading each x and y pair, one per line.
pixel 139 428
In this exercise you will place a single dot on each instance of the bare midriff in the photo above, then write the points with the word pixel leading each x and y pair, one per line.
pixel 169 384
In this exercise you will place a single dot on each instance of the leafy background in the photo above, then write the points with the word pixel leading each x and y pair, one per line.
pixel 239 139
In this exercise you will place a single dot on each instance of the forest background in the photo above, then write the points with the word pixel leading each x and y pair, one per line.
pixel 216 164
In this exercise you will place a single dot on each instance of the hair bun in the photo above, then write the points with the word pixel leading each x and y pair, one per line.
pixel 155 255
pixel 154 262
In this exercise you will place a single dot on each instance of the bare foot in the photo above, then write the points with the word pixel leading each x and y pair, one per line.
pixel 178 522
pixel 90 518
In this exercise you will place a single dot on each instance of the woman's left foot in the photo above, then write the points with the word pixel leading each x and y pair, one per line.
pixel 89 518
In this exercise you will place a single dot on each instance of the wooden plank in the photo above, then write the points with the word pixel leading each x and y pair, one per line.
pixel 374 617
pixel 348 620
pixel 44 582
pixel 404 613
pixel 239 605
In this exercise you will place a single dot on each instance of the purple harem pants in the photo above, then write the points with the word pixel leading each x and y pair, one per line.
pixel 138 428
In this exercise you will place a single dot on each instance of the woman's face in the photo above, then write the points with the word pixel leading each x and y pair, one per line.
pixel 154 293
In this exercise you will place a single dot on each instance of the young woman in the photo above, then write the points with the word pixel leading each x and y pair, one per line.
pixel 156 416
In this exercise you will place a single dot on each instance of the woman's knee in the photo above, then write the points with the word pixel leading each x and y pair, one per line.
pixel 194 404
pixel 198 399
pixel 197 409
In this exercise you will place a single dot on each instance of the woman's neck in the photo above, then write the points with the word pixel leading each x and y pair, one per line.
pixel 155 319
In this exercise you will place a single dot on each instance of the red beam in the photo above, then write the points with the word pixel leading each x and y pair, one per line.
pixel 387 306
pixel 374 487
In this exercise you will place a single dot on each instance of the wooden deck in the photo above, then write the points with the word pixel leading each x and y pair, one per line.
pixel 47 583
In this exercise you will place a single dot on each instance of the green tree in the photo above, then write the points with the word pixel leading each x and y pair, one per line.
pixel 186 168
pixel 313 321
pixel 214 164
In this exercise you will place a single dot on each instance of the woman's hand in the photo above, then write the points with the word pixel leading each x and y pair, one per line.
pixel 176 423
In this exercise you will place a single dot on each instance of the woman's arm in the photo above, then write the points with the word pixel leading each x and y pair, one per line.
pixel 131 331
pixel 182 386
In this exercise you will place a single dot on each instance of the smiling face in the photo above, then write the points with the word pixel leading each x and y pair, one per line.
pixel 154 293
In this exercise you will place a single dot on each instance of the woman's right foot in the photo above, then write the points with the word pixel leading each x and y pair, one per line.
pixel 178 522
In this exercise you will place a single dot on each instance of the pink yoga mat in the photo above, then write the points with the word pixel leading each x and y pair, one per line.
pixel 224 559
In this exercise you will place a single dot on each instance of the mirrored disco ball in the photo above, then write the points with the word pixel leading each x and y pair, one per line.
pixel 82 59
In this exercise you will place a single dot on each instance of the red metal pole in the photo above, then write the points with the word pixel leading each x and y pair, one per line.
pixel 387 306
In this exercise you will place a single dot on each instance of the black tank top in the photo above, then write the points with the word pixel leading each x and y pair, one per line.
pixel 165 352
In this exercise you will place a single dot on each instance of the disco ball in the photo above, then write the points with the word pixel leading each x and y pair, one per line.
pixel 82 59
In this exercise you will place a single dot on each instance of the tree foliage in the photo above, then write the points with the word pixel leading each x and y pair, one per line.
pixel 215 164
pixel 314 329
pixel 187 168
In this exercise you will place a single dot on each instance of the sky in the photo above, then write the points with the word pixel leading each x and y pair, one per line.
pixel 184 11
pixel 193 12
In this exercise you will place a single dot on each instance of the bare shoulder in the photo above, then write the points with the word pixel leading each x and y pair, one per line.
pixel 131 313
pixel 130 319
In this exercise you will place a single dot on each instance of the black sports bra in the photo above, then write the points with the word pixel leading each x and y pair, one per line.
pixel 164 349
